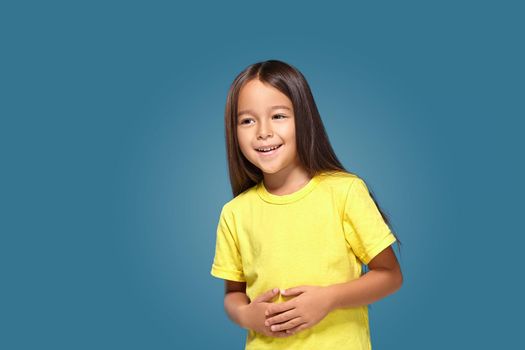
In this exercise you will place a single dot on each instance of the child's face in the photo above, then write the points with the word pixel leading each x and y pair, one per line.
pixel 260 124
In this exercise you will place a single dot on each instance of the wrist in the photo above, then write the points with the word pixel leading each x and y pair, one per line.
pixel 242 316
pixel 331 296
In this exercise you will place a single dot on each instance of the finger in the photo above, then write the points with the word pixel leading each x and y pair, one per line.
pixel 297 329
pixel 293 323
pixel 282 317
pixel 267 296
pixel 278 308
pixel 279 334
pixel 293 291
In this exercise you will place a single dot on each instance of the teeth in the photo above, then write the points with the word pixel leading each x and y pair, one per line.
pixel 267 149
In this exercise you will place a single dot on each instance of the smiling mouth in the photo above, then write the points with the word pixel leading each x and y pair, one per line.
pixel 268 152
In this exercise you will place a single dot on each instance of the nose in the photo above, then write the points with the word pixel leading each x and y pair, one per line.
pixel 265 130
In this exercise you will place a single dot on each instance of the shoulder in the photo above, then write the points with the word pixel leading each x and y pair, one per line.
pixel 338 181
pixel 242 200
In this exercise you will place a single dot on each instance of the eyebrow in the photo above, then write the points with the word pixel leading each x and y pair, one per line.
pixel 248 111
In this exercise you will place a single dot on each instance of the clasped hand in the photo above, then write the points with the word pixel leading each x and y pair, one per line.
pixel 308 307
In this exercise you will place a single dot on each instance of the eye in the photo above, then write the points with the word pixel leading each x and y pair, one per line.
pixel 245 120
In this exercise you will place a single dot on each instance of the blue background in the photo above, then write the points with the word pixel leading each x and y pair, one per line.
pixel 113 163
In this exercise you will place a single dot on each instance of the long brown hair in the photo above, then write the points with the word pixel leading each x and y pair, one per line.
pixel 313 147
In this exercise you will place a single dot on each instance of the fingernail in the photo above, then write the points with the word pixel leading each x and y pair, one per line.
pixel 266 323
pixel 266 313
pixel 275 290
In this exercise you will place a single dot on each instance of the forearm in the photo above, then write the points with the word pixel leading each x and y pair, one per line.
pixel 369 288
pixel 233 301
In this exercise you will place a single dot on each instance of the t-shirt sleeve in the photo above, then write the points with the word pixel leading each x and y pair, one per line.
pixel 227 263
pixel 365 229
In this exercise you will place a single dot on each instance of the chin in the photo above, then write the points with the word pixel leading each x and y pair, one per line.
pixel 269 171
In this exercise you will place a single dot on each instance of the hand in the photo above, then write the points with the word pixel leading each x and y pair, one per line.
pixel 304 311
pixel 253 314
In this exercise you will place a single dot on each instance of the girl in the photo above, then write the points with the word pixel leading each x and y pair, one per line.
pixel 292 243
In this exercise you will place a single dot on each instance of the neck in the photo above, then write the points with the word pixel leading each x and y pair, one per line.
pixel 286 181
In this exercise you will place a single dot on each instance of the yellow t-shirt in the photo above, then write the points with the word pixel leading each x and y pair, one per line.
pixel 318 235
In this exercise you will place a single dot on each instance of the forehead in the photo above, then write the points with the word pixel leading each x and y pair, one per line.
pixel 258 96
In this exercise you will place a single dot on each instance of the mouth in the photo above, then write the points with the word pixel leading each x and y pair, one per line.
pixel 268 151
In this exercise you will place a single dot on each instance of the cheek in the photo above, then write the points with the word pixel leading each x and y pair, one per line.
pixel 290 137
pixel 241 139
pixel 291 131
pixel 244 145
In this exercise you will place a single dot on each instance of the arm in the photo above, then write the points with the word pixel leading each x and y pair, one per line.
pixel 384 278
pixel 249 315
pixel 313 303
pixel 235 297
